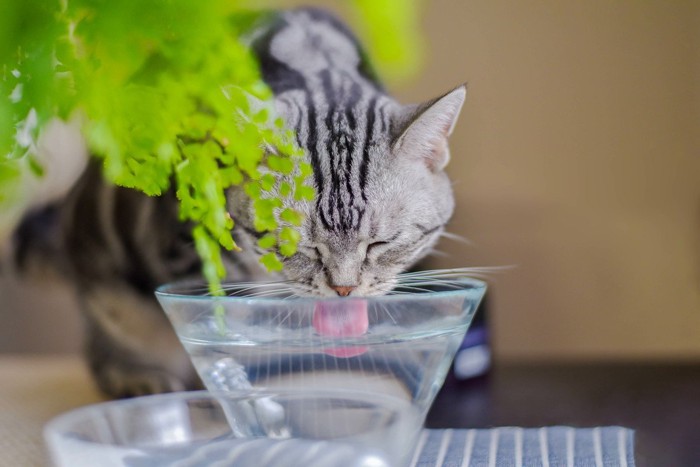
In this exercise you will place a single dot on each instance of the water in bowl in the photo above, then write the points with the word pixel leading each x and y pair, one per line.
pixel 399 367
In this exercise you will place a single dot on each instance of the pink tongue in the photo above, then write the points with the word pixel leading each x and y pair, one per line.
pixel 342 318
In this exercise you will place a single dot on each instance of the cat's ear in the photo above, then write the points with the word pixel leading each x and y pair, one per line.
pixel 424 129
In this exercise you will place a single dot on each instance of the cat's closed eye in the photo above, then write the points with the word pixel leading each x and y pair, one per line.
pixel 310 251
pixel 375 246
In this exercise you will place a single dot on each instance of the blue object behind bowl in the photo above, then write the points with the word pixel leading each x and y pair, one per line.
pixel 473 359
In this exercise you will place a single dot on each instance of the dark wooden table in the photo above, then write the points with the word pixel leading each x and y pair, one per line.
pixel 660 401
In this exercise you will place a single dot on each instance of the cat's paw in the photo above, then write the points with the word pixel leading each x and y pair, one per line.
pixel 121 382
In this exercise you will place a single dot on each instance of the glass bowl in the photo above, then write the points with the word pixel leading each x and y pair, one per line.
pixel 259 336
pixel 313 428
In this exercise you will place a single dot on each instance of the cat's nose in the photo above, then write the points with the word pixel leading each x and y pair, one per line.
pixel 343 290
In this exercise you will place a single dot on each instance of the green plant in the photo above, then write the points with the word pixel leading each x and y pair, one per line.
pixel 164 89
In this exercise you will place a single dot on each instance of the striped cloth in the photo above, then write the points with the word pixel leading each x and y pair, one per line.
pixel 557 446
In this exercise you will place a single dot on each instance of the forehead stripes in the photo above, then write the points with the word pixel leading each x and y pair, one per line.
pixel 348 135
pixel 335 107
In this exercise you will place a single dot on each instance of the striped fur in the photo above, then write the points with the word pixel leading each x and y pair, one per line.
pixel 383 200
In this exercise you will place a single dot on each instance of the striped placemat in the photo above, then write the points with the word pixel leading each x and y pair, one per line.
pixel 557 446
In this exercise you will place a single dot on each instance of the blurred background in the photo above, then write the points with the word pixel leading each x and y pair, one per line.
pixel 576 159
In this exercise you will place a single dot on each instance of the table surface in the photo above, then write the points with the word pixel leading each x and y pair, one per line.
pixel 660 401
pixel 33 390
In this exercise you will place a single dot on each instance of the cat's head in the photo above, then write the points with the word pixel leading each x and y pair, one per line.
pixel 383 197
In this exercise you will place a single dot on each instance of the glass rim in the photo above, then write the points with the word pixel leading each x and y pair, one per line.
pixel 59 423
pixel 453 287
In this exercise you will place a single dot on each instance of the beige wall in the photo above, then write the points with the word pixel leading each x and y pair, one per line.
pixel 577 159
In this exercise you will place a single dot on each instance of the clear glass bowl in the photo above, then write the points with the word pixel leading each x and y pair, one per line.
pixel 401 344
pixel 326 428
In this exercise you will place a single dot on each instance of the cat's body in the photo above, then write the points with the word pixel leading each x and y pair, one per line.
pixel 382 201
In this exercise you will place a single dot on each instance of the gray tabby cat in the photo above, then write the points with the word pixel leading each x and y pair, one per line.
pixel 383 200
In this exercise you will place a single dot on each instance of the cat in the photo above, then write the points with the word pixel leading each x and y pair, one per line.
pixel 382 201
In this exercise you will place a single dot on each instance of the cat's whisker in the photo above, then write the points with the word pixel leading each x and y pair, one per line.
pixel 239 286
pixel 255 284
pixel 260 282
pixel 391 289
pixel 251 292
pixel 384 290
pixel 234 292
pixel 445 277
pixel 260 293
pixel 386 310
pixel 237 289
pixel 455 237
pixel 452 278
pixel 289 315
pixel 198 289
pixel 457 281
pixel 274 294
pixel 444 283
pixel 457 272
pixel 417 289
pixel 451 270
pixel 292 295
pixel 386 285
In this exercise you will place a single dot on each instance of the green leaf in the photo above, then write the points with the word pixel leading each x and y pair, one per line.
pixel 265 207
pixel 288 249
pixel 292 216
pixel 305 170
pixel 36 167
pixel 267 182
pixel 261 117
pixel 391 29
pixel 253 190
pixel 304 192
pixel 208 250
pixel 290 235
pixel 265 224
pixel 280 164
pixel 210 150
pixel 230 176
pixel 285 189
pixel 271 262
pixel 226 241
pixel 267 242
